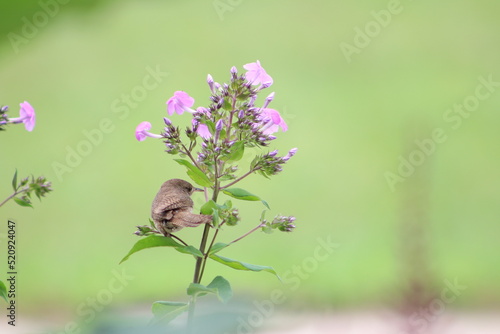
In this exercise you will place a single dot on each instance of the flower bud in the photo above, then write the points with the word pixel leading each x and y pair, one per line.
pixel 167 121
pixel 219 125
pixel 273 153
pixel 210 82
pixel 269 98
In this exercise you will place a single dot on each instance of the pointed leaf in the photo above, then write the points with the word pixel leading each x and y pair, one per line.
pixel 215 218
pixel 219 286
pixel 238 265
pixel 189 250
pixel 195 173
pixel 223 288
pixel 243 195
pixel 198 290
pixel 3 291
pixel 14 181
pixel 151 241
pixel 207 208
pixel 165 311
pixel 236 152
pixel 22 202
pixel 218 247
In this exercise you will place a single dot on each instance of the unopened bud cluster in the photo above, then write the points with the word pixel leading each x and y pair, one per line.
pixel 282 223
pixel 270 163
pixel 3 117
pixel 230 217
pixel 39 186
pixel 172 137
pixel 145 230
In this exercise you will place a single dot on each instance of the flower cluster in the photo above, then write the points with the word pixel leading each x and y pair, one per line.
pixel 230 123
pixel 271 164
pixel 282 223
pixel 39 186
pixel 26 116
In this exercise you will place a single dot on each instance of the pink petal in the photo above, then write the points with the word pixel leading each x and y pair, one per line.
pixel 139 130
pixel 203 131
pixel 28 113
pixel 256 74
pixel 272 129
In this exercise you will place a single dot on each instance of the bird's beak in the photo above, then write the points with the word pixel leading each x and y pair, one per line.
pixel 197 189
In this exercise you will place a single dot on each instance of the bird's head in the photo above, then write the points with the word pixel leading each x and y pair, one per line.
pixel 181 185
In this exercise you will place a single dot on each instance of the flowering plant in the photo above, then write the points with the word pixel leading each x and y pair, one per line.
pixel 214 145
pixel 24 188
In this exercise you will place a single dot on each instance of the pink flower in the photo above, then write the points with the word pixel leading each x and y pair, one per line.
pixel 180 103
pixel 271 121
pixel 202 129
pixel 26 116
pixel 141 131
pixel 257 74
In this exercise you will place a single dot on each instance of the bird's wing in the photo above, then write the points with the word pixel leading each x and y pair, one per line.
pixel 170 203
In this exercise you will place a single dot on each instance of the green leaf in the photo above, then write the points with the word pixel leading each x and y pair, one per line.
pixel 22 202
pixel 195 289
pixel 218 247
pixel 207 208
pixel 215 218
pixel 219 286
pixel 152 241
pixel 14 181
pixel 238 265
pixel 3 291
pixel 165 311
pixel 243 195
pixel 223 288
pixel 189 250
pixel 237 151
pixel 195 173
pixel 226 104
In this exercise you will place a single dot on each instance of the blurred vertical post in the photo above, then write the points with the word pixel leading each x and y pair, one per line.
pixel 414 252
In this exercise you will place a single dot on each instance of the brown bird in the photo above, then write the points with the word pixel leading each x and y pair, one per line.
pixel 172 206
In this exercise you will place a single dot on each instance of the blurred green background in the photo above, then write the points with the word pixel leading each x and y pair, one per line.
pixel 351 118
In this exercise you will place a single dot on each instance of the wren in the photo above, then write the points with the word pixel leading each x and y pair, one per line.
pixel 172 206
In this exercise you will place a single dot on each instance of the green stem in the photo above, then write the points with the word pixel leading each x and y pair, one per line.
pixel 205 257
pixel 188 153
pixel 199 266
pixel 240 178
pixel 248 233
pixel 14 194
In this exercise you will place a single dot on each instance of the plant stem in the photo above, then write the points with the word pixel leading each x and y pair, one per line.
pixel 14 194
pixel 205 257
pixel 240 178
pixel 248 233
pixel 200 264
pixel 188 153
pixel 179 239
